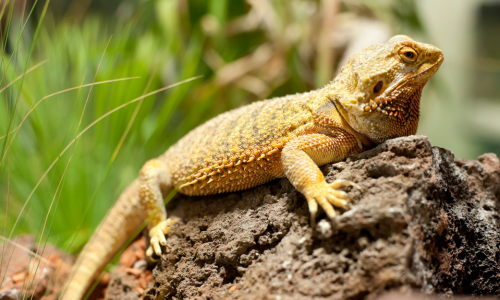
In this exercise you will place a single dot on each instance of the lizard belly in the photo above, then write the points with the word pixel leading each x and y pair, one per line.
pixel 231 178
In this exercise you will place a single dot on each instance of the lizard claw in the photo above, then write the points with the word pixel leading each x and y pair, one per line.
pixel 157 238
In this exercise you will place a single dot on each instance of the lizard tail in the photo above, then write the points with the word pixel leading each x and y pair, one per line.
pixel 123 220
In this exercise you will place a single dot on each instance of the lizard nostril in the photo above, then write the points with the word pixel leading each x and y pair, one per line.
pixel 429 54
pixel 378 87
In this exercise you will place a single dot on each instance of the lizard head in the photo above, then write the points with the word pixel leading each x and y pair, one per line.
pixel 379 89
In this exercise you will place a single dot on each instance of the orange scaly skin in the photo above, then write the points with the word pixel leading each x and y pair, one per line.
pixel 375 97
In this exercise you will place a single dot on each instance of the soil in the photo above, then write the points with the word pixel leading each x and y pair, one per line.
pixel 24 276
pixel 127 281
pixel 423 223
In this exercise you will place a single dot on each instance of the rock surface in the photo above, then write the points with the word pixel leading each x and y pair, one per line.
pixel 422 221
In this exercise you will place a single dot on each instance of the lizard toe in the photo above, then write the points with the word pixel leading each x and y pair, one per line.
pixel 336 184
pixel 151 255
pixel 157 237
pixel 338 202
pixel 313 210
pixel 327 207
pixel 154 242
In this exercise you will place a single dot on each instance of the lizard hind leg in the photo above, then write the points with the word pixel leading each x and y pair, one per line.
pixel 155 185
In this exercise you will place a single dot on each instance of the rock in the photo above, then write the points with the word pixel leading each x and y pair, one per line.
pixel 412 295
pixel 422 221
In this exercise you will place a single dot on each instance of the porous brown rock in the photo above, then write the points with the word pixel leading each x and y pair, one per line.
pixel 423 220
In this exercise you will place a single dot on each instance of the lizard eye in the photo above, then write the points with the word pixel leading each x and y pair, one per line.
pixel 378 87
pixel 408 54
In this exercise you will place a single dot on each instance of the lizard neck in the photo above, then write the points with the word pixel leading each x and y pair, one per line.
pixel 328 112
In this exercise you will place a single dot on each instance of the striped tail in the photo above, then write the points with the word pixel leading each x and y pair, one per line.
pixel 122 221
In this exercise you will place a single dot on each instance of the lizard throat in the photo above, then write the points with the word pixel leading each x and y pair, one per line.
pixel 390 116
pixel 405 105
pixel 406 110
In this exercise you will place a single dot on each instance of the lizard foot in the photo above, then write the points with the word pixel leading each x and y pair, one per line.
pixel 157 238
pixel 327 196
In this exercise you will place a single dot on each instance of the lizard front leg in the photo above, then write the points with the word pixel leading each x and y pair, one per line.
pixel 155 185
pixel 301 157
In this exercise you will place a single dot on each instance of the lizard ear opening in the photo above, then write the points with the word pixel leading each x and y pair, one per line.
pixel 378 87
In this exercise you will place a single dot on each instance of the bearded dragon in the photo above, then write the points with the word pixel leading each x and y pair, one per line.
pixel 375 97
